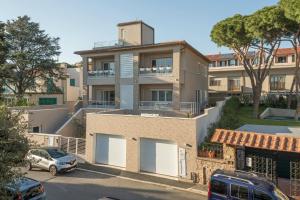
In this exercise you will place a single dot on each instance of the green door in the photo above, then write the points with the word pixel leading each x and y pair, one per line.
pixel 47 101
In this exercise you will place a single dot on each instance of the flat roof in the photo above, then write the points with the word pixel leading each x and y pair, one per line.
pixel 134 47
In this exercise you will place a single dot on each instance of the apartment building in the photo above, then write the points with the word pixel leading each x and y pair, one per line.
pixel 136 73
pixel 227 76
pixel 150 99
pixel 53 92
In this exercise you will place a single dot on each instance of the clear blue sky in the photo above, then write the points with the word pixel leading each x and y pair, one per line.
pixel 80 23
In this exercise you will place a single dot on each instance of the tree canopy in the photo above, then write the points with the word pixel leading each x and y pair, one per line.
pixel 254 39
pixel 31 55
pixel 13 146
pixel 291 9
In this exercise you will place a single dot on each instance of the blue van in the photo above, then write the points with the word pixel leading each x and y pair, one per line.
pixel 242 185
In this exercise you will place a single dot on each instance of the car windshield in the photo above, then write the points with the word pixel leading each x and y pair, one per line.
pixel 56 153
pixel 280 195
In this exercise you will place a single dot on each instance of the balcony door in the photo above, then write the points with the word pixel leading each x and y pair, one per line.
pixel 107 97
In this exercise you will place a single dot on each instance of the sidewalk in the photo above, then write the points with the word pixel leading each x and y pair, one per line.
pixel 191 187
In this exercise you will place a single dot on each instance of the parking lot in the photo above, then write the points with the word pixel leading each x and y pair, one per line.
pixel 87 185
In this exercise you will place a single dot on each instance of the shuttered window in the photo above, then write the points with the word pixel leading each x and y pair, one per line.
pixel 126 63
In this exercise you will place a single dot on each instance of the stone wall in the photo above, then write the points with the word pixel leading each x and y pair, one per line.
pixel 206 166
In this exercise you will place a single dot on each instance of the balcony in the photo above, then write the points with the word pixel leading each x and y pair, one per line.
pixel 156 105
pixel 185 107
pixel 101 73
pixel 101 77
pixel 101 104
pixel 163 70
pixel 157 75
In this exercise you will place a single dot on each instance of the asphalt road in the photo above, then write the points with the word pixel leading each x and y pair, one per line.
pixel 81 185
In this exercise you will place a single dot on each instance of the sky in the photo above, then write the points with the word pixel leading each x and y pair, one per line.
pixel 80 23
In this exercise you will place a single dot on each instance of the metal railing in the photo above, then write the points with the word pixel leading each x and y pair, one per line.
pixel 189 107
pixel 210 150
pixel 101 104
pixel 111 43
pixel 101 73
pixel 155 70
pixel 156 105
pixel 73 145
pixel 68 144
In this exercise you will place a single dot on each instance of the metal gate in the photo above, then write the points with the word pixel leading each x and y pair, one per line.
pixel 295 178
pixel 264 166
pixel 73 145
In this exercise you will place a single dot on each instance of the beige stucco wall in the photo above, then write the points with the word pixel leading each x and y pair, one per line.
pixel 194 71
pixel 34 98
pixel 147 34
pixel 178 130
pixel 132 34
pixel 223 75
pixel 48 120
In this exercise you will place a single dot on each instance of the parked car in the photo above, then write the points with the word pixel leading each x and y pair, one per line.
pixel 52 159
pixel 242 185
pixel 27 189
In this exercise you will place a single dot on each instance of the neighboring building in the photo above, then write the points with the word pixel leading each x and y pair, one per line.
pixel 73 85
pixel 227 76
pixel 136 73
pixel 149 98
pixel 54 92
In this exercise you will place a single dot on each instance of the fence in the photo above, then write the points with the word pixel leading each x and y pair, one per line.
pixel 67 144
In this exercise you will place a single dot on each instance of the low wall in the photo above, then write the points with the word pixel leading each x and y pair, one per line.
pixel 277 112
pixel 41 139
pixel 48 120
pixel 206 166
pixel 211 115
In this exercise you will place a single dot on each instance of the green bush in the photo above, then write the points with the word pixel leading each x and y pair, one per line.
pixel 228 118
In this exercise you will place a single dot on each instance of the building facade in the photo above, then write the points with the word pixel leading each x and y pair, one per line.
pixel 228 76
pixel 136 73
pixel 153 96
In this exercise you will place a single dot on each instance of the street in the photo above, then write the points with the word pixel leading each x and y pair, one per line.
pixel 83 185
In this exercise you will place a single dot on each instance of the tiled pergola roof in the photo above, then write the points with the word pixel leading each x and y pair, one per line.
pixel 257 140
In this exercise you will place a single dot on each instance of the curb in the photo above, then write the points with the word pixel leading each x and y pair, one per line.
pixel 201 192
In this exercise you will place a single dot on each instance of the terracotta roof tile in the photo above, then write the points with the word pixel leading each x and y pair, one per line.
pixel 257 140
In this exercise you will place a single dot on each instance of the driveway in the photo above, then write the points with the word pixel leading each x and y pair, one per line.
pixel 88 185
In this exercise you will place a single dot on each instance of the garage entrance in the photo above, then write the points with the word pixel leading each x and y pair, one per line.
pixel 159 156
pixel 110 150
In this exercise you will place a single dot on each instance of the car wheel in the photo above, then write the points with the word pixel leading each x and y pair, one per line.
pixel 53 170
pixel 28 166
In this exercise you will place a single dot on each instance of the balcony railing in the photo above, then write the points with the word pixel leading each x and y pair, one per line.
pixel 156 105
pixel 107 44
pixel 101 104
pixel 155 70
pixel 101 73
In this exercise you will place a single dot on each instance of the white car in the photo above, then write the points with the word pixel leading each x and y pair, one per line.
pixel 52 159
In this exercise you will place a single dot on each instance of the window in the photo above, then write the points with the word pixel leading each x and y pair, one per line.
pixel 234 84
pixel 162 62
pixel 218 187
pixel 258 195
pixel 277 82
pixel 223 63
pixel 239 192
pixel 35 129
pixel 72 82
pixel 213 64
pixel 214 82
pixel 281 59
pixel 293 58
pixel 161 95
pixel 232 62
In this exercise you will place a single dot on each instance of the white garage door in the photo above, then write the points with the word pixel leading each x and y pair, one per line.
pixel 126 96
pixel 110 150
pixel 158 156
